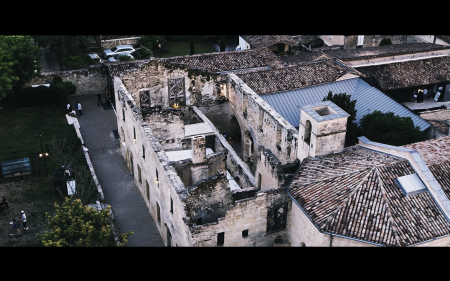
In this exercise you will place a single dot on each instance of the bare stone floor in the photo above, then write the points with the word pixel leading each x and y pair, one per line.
pixel 129 208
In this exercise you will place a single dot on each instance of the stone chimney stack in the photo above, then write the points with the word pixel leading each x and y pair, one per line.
pixel 198 149
pixel 322 130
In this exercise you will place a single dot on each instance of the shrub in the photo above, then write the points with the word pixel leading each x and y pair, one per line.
pixel 390 129
pixel 77 61
pixel 151 41
pixel 39 96
pixel 64 89
pixel 124 58
pixel 386 41
pixel 75 225
pixel 145 53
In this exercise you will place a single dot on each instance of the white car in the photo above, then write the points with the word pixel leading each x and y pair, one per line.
pixel 119 50
pixel 95 57
pixel 116 57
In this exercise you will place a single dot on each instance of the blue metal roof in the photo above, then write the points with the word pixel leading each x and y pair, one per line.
pixel 369 99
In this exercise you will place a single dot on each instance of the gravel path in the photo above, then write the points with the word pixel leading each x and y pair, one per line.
pixel 128 206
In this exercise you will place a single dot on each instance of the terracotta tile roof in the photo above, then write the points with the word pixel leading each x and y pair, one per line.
pixel 231 60
pixel 441 172
pixel 262 41
pixel 301 58
pixel 410 73
pixel 297 76
pixel 366 203
pixel 433 151
pixel 383 51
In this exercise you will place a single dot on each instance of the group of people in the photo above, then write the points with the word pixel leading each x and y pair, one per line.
pixel 23 217
pixel 72 109
pixel 78 105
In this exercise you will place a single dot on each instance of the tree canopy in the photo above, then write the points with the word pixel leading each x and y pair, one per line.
pixel 343 101
pixel 390 129
pixel 75 225
pixel 19 62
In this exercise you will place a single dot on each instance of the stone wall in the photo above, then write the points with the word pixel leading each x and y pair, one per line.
pixel 168 126
pixel 247 214
pixel 154 76
pixel 88 81
pixel 439 114
pixel 209 199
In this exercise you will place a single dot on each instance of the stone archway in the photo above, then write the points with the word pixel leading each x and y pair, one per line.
pixel 235 130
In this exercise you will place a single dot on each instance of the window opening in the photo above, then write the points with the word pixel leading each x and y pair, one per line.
pixel 158 215
pixel 220 238
pixel 276 218
pixel 307 137
pixel 157 178
pixel 261 120
pixel 177 94
pixel 134 133
pixel 278 143
pixel 171 205
pixel 199 221
pixel 123 114
pixel 139 174
pixel 143 152
pixel 259 180
pixel 144 97
pixel 245 233
pixel 147 190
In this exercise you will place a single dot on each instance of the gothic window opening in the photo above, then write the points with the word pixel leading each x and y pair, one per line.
pixel 139 174
pixel 157 178
pixel 144 97
pixel 123 114
pixel 171 205
pixel 134 133
pixel 147 190
pixel 177 95
pixel 277 217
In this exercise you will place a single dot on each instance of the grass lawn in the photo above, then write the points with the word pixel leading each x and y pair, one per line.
pixel 181 48
pixel 35 196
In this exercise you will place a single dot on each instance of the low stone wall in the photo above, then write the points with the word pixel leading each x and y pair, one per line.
pixel 108 44
pixel 89 81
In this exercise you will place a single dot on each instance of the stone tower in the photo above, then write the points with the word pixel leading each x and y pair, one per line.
pixel 322 129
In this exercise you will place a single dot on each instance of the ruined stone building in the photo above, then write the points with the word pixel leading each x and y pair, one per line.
pixel 218 165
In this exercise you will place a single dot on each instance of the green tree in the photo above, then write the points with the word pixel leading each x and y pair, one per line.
pixel 19 62
pixel 6 70
pixel 152 41
pixel 386 41
pixel 75 225
pixel 145 53
pixel 390 129
pixel 64 89
pixel 67 45
pixel 344 102
pixel 223 43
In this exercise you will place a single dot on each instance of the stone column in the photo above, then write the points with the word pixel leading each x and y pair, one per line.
pixel 198 149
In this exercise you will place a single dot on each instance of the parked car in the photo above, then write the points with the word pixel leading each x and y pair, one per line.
pixel 118 50
pixel 95 57
pixel 116 57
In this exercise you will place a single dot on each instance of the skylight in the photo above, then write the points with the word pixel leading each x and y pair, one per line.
pixel 410 184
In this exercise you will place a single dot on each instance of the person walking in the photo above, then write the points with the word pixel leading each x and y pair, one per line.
pixel 69 107
pixel 78 105
pixel 15 227
pixel 99 99
pixel 24 221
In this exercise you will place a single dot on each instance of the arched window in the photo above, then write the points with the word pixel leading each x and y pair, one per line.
pixel 307 137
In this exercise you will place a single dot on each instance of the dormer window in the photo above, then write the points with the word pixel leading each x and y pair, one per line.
pixel 410 184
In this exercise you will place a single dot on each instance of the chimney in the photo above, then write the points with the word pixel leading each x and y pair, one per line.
pixel 198 149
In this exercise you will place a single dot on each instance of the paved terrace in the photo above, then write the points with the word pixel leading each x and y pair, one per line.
pixel 129 208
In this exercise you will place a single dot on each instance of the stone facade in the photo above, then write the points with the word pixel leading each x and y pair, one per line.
pixel 88 81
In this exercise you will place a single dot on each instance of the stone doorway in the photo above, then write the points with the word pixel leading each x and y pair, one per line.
pixel 234 137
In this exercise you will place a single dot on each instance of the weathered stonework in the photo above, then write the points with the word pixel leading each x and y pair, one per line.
pixel 88 81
